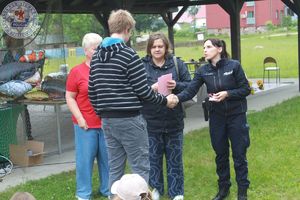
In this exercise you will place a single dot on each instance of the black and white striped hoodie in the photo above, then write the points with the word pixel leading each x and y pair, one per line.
pixel 118 82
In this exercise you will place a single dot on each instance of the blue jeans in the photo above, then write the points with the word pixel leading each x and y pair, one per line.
pixel 127 138
pixel 90 144
pixel 170 145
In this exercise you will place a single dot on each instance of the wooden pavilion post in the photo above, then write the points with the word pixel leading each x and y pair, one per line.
pixel 168 18
pixel 233 8
pixel 103 19
pixel 294 5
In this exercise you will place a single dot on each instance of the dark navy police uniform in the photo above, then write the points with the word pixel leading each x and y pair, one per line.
pixel 227 118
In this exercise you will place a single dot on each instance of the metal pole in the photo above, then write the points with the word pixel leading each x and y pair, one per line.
pixel 57 111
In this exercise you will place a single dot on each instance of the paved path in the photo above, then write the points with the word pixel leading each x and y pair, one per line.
pixel 273 95
pixel 44 129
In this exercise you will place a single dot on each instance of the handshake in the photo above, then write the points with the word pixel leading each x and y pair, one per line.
pixel 172 100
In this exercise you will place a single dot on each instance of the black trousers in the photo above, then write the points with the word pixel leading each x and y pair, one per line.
pixel 233 129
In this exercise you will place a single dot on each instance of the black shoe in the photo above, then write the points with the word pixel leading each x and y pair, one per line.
pixel 222 194
pixel 242 194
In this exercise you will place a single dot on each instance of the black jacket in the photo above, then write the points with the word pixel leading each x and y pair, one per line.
pixel 160 118
pixel 229 76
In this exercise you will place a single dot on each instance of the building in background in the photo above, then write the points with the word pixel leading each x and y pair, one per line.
pixel 254 16
pixel 199 20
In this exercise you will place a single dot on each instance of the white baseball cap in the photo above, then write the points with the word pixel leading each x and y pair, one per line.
pixel 130 187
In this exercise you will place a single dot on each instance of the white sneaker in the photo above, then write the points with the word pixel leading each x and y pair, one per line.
pixel 78 198
pixel 178 197
pixel 155 194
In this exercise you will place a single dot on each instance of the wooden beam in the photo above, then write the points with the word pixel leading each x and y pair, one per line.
pixel 135 6
pixel 150 10
pixel 97 3
pixel 176 3
pixel 225 7
pixel 233 8
pixel 128 4
pixel 294 6
pixel 114 4
pixel 103 19
pixel 171 32
pixel 167 17
pixel 179 14
pixel 169 20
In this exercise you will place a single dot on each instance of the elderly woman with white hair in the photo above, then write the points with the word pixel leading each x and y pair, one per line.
pixel 89 136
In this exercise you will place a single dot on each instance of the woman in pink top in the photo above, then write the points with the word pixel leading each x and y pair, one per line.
pixel 89 136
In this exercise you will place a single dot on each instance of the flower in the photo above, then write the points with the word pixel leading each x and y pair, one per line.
pixel 260 84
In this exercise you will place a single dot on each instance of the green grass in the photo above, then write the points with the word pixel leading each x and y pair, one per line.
pixel 52 65
pixel 283 48
pixel 254 49
pixel 274 162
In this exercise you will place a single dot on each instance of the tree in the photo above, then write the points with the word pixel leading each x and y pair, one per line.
pixel 146 23
pixel 193 10
pixel 77 25
pixel 287 22
pixel 74 26
pixel 71 26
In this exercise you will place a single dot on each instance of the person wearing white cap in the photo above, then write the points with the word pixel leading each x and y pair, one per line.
pixel 131 187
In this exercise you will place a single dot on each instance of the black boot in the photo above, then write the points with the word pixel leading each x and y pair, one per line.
pixel 222 194
pixel 242 194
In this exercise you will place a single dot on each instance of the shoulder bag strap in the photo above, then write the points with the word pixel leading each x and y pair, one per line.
pixel 176 66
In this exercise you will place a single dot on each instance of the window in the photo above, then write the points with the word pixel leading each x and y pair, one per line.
pixel 250 14
pixel 281 14
pixel 251 3
pixel 250 17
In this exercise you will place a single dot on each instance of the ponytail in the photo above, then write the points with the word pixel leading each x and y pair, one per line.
pixel 224 53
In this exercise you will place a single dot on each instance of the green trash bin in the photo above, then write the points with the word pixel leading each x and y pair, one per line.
pixel 9 114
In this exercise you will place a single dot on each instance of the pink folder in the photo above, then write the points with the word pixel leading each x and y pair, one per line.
pixel 162 84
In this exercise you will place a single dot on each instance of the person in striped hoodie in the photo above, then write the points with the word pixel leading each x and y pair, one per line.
pixel 117 86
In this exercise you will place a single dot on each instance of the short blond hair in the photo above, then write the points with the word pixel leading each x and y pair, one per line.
pixel 91 39
pixel 119 21
pixel 22 196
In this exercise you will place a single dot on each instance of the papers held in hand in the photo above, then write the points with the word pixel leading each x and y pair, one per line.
pixel 212 98
pixel 163 84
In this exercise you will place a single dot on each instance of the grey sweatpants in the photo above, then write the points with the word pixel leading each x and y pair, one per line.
pixel 126 138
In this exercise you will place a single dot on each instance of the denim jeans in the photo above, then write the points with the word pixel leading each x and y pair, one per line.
pixel 127 138
pixel 90 144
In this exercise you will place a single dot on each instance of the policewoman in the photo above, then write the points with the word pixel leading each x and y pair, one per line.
pixel 227 88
